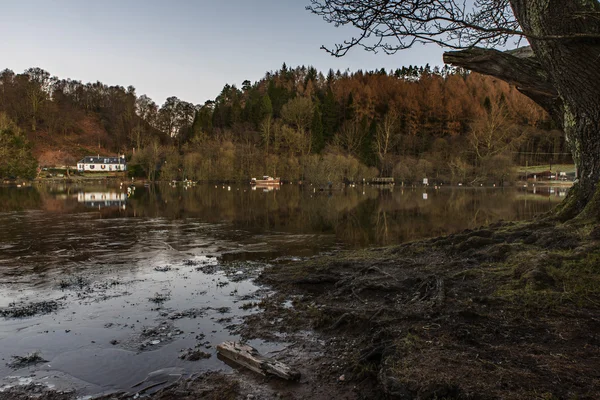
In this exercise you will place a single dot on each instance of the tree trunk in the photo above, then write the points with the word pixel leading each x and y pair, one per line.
pixel 565 63
pixel 572 65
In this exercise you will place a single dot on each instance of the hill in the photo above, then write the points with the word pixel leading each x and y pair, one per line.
pixel 415 122
pixel 86 138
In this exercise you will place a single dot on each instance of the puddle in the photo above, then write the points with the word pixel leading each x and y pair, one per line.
pixel 125 317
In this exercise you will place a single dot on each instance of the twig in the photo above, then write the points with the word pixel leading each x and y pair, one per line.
pixel 358 297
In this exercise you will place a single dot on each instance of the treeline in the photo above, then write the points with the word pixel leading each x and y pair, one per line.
pixel 298 123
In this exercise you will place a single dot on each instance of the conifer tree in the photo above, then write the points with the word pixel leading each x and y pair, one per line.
pixel 367 150
pixel 329 116
pixel 266 107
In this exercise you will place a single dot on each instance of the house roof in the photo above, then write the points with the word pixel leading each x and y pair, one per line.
pixel 102 160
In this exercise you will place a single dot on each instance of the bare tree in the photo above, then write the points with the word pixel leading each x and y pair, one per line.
pixel 493 133
pixel 298 113
pixel 559 70
pixel 265 130
pixel 38 92
pixel 384 139
pixel 350 136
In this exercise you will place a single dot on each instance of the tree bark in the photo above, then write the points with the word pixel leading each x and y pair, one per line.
pixel 572 65
pixel 563 78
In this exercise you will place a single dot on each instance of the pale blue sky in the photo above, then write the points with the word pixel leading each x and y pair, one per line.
pixel 182 48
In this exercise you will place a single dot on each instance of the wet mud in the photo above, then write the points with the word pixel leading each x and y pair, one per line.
pixel 511 311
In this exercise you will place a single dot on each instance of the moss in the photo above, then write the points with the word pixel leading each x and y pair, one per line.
pixel 411 341
pixel 553 280
pixel 569 207
pixel 591 212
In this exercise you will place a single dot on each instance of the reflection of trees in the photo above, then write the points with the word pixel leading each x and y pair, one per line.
pixel 17 200
pixel 356 216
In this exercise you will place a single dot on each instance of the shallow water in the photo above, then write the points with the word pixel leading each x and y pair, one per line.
pixel 103 255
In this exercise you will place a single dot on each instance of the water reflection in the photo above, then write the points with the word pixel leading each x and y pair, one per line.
pixel 354 217
pixel 102 199
pixel 265 188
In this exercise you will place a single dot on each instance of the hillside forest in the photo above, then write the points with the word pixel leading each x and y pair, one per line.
pixel 295 123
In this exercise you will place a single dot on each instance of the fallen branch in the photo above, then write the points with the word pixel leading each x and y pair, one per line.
pixel 250 358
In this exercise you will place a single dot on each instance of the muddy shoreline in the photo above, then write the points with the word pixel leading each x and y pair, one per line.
pixel 509 311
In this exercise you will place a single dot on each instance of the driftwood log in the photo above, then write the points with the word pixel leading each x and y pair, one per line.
pixel 249 357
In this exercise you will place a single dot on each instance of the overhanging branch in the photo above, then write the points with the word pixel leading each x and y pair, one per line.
pixel 517 67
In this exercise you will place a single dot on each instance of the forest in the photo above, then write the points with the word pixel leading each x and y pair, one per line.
pixel 445 124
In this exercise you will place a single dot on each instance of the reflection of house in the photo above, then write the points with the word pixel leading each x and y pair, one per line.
pixel 102 164
pixel 102 199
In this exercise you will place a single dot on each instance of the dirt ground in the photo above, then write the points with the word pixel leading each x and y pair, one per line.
pixel 511 311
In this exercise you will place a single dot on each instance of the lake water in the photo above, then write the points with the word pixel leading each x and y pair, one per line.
pixel 137 277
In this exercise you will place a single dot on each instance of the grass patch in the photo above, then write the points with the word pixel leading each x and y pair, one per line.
pixel 552 280
pixel 536 169
pixel 411 341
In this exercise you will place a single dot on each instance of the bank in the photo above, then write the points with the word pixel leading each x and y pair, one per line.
pixel 508 311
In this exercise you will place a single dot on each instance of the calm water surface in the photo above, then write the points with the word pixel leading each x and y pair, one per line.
pixel 103 254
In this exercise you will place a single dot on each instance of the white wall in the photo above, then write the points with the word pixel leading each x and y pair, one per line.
pixel 98 167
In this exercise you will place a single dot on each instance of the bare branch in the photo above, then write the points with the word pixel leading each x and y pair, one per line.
pixel 392 25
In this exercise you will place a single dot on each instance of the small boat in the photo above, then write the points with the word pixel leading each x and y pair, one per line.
pixel 266 181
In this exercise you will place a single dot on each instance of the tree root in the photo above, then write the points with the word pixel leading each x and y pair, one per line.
pixel 316 280
pixel 344 319
pixel 378 270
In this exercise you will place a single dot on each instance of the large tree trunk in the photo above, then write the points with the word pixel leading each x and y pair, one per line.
pixel 573 68
pixel 565 39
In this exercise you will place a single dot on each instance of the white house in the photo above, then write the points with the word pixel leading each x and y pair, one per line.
pixel 102 164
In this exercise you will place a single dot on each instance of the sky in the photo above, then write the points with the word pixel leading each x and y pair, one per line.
pixel 184 48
